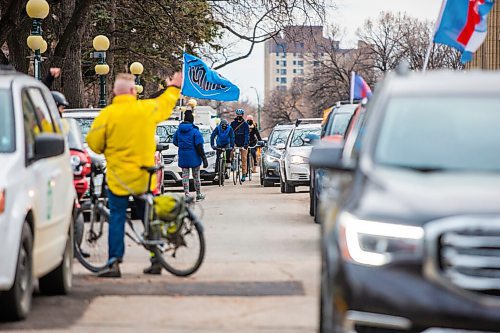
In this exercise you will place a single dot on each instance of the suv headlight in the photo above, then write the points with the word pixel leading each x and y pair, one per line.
pixel 299 160
pixel 272 159
pixel 377 243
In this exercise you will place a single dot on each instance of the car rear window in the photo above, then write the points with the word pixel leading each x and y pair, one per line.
pixel 279 136
pixel 166 133
pixel 7 124
pixel 338 125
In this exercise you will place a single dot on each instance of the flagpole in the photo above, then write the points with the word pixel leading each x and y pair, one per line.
pixel 431 42
pixel 353 78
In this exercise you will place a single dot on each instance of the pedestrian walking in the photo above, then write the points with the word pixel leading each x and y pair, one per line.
pixel 191 153
pixel 254 140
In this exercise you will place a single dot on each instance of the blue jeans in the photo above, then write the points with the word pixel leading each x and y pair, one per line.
pixel 118 215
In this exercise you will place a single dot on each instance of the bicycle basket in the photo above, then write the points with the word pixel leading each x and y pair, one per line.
pixel 167 207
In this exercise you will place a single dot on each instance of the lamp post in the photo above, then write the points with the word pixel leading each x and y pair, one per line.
pixel 258 106
pixel 101 45
pixel 137 69
pixel 37 10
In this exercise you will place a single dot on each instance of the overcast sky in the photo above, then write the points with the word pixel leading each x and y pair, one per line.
pixel 349 15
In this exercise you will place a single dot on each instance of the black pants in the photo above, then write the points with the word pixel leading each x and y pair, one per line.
pixel 253 151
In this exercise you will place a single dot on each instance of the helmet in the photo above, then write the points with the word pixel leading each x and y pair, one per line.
pixel 224 122
pixel 60 99
pixel 240 112
pixel 249 117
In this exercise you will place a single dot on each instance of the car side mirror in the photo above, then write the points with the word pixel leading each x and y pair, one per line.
pixel 161 147
pixel 48 145
pixel 280 146
pixel 329 157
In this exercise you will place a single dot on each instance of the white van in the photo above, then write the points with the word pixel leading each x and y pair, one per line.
pixel 37 195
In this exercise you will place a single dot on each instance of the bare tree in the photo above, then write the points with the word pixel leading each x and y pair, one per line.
pixel 285 106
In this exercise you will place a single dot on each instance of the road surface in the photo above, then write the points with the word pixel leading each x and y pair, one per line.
pixel 260 274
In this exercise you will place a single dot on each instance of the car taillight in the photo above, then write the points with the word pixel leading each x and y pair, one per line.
pixel 2 201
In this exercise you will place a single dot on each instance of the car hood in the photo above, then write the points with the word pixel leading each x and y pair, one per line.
pixel 299 151
pixel 405 196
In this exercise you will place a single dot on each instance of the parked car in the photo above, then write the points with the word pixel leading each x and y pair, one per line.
pixel 334 129
pixel 173 174
pixel 294 161
pixel 271 154
pixel 37 197
pixel 412 243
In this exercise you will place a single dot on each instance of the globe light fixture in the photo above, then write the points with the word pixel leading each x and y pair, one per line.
pixel 136 68
pixel 37 10
pixel 101 45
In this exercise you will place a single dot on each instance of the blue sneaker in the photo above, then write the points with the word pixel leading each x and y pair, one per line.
pixel 243 178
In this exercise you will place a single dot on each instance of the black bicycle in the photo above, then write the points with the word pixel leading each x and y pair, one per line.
pixel 222 165
pixel 174 235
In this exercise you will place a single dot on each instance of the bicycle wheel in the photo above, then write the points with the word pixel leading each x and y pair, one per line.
pixel 235 169
pixel 250 165
pixel 240 171
pixel 92 250
pixel 184 252
pixel 223 174
pixel 221 171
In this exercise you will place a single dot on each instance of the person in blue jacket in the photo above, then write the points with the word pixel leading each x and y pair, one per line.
pixel 241 139
pixel 191 153
pixel 222 138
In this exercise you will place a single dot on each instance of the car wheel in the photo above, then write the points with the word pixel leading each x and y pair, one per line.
pixel 326 324
pixel 315 209
pixel 60 280
pixel 268 183
pixel 282 186
pixel 261 176
pixel 311 201
pixel 15 304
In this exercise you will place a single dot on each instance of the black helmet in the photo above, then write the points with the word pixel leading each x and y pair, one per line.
pixel 60 99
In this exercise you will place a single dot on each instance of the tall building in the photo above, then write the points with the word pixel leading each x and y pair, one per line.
pixel 488 56
pixel 293 55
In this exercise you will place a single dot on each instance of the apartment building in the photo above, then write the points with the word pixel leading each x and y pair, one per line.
pixel 293 55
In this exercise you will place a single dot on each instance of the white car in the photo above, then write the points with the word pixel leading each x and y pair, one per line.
pixel 294 162
pixel 173 174
pixel 37 196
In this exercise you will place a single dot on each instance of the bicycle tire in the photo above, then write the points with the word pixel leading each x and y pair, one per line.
pixel 238 170
pixel 250 165
pixel 221 172
pixel 199 259
pixel 91 252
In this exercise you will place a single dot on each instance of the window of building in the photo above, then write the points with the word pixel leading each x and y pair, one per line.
pixel 277 79
pixel 295 62
pixel 283 63
pixel 316 63
pixel 283 71
pixel 284 55
pixel 277 54
pixel 283 80
pixel 277 62
pixel 294 54
pixel 294 71
pixel 300 71
pixel 302 45
pixel 300 63
pixel 277 71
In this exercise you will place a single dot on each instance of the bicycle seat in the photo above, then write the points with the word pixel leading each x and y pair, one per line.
pixel 152 169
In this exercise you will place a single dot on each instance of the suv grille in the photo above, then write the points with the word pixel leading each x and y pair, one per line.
pixel 470 258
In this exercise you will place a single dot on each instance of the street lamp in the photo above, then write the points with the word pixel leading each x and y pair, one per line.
pixel 101 45
pixel 37 10
pixel 258 106
pixel 137 69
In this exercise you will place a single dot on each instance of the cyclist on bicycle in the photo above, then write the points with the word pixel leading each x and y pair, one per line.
pixel 225 140
pixel 241 139
pixel 254 139
pixel 125 133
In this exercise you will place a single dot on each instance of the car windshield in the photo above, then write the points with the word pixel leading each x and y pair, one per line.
pixel 441 133
pixel 75 139
pixel 85 125
pixel 299 136
pixel 279 136
pixel 166 133
pixel 338 125
pixel 206 132
pixel 7 137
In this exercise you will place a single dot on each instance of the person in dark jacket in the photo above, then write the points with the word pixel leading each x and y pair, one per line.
pixel 241 139
pixel 254 139
pixel 222 138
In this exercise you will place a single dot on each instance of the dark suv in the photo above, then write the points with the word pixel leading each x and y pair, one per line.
pixel 413 240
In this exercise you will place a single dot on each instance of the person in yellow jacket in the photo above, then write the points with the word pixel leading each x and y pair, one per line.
pixel 125 133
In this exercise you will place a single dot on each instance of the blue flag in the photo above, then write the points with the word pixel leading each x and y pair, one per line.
pixel 200 81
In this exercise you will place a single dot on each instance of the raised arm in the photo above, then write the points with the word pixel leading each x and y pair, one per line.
pixel 162 107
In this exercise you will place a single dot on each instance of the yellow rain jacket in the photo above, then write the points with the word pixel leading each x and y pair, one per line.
pixel 125 133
